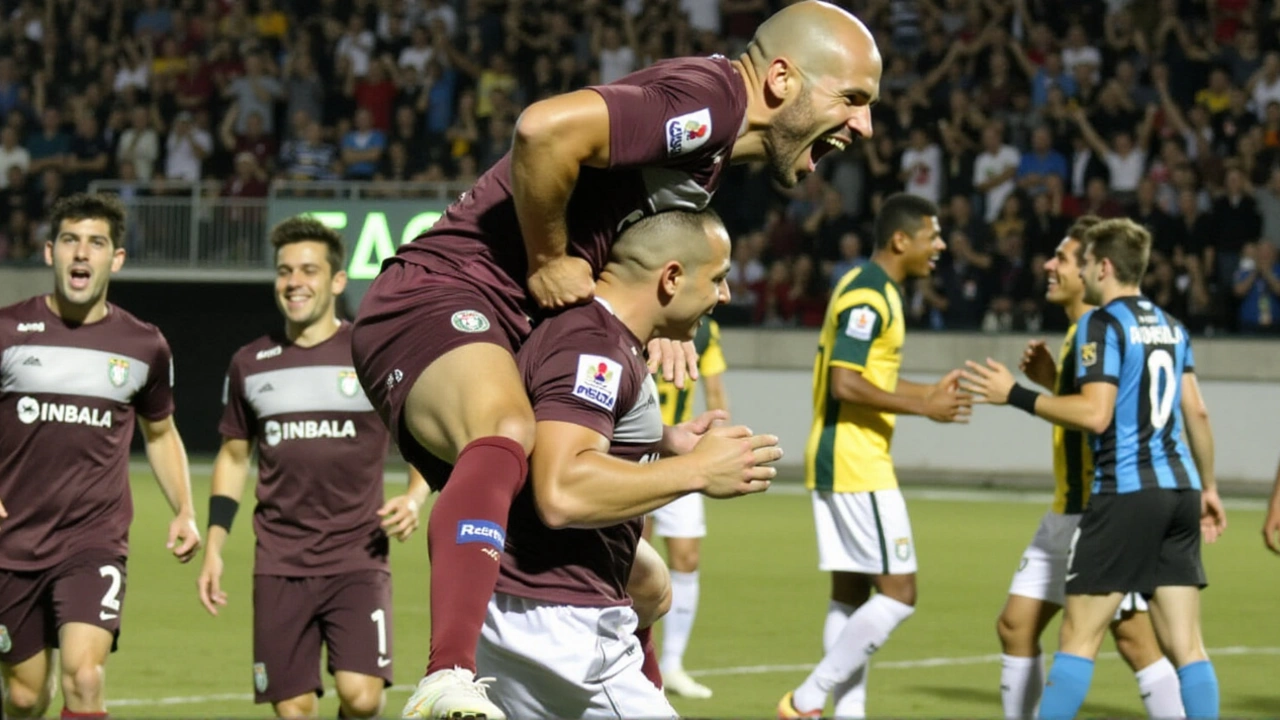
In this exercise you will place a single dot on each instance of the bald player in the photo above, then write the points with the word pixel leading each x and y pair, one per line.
pixel 435 340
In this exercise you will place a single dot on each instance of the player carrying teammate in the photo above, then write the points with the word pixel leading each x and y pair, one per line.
pixel 320 571
pixel 559 633
pixel 75 370
pixel 683 522
pixel 1141 529
pixel 435 339
pixel 864 534
pixel 1039 586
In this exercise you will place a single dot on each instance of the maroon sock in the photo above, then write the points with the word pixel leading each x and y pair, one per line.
pixel 68 715
pixel 465 539
pixel 650 666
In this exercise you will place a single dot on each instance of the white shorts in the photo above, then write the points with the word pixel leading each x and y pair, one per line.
pixel 1042 572
pixel 683 518
pixel 864 532
pixel 561 661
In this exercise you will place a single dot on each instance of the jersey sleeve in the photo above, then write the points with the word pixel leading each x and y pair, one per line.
pixel 155 400
pixel 711 361
pixel 237 416
pixel 587 387
pixel 858 325
pixel 1188 356
pixel 1098 350
pixel 689 114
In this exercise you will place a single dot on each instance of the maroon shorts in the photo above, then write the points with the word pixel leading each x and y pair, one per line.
pixel 350 614
pixel 85 588
pixel 410 317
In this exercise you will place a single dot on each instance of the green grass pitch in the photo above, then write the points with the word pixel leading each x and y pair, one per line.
pixel 759 622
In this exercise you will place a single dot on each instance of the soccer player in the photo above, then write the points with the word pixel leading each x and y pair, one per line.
pixel 435 338
pixel 1039 585
pixel 75 370
pixel 1141 529
pixel 683 523
pixel 322 526
pixel 559 633
pixel 864 534
pixel 1271 525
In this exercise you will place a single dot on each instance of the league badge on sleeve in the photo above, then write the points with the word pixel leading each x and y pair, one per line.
pixel 688 132
pixel 598 380
pixel 1088 354
pixel 862 320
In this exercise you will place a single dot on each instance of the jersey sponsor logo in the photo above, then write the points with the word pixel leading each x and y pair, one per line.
pixel 348 383
pixel 1089 354
pixel 1154 335
pixel 260 677
pixel 31 327
pixel 688 132
pixel 118 371
pixel 6 643
pixel 469 321
pixel 274 432
pixel 481 531
pixel 32 361
pixel 268 353
pixel 862 320
pixel 598 380
pixel 30 410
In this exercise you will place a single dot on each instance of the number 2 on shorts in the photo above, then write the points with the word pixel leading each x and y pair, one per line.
pixel 111 599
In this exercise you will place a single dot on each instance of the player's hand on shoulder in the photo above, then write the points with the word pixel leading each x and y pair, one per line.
pixel 184 537
pixel 676 360
pixel 736 461
pixel 400 517
pixel 1038 365
pixel 947 401
pixel 1213 517
pixel 209 584
pixel 562 282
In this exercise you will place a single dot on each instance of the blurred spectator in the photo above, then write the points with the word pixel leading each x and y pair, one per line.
pixel 50 146
pixel 1042 161
pixel 1257 285
pixel 362 148
pixel 139 145
pixel 921 169
pixel 89 155
pixel 851 257
pixel 309 157
pixel 12 154
pixel 255 93
pixel 185 149
pixel 994 170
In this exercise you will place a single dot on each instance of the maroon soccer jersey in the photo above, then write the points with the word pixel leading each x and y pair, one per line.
pixel 321 450
pixel 672 127
pixel 68 394
pixel 584 367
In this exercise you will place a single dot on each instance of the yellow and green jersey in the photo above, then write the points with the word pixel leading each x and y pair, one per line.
pixel 677 404
pixel 848 448
pixel 1072 456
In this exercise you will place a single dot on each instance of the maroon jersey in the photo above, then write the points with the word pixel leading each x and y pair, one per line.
pixel 584 367
pixel 321 450
pixel 672 127
pixel 68 394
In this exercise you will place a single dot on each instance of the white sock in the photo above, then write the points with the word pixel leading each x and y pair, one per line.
pixel 866 631
pixel 850 695
pixel 1021 683
pixel 1160 689
pixel 678 623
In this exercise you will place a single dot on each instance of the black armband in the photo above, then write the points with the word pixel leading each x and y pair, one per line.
pixel 1023 398
pixel 222 511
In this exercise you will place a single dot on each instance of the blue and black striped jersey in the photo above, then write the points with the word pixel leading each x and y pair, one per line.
pixel 1144 352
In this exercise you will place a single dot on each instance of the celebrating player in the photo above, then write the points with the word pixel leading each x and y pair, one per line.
pixel 864 534
pixel 435 339
pixel 1141 529
pixel 1039 586
pixel 559 633
pixel 320 572
pixel 76 370
pixel 682 523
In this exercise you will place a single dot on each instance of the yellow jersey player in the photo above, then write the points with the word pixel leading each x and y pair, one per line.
pixel 864 534
pixel 683 523
pixel 1038 589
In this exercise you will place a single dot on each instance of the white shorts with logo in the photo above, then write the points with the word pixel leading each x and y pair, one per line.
pixel 864 532
pixel 562 661
pixel 1042 572
pixel 684 518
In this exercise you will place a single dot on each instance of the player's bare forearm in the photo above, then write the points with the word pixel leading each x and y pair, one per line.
pixel 1199 433
pixel 168 458
pixel 418 488
pixel 230 474
pixel 850 386
pixel 1090 411
pixel 910 389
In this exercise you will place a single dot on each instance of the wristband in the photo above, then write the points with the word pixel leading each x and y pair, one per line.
pixel 1023 398
pixel 222 511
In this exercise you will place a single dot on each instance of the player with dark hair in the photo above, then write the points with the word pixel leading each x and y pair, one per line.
pixel 864 533
pixel 320 573
pixel 75 371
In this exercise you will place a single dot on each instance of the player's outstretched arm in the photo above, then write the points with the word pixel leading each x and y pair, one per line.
pixel 230 473
pixel 1271 526
pixel 1089 411
pixel 168 458
pixel 400 514
pixel 942 402
pixel 576 483
pixel 554 138
pixel 1200 439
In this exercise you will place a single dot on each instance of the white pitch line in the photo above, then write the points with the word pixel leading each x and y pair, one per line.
pixel 711 672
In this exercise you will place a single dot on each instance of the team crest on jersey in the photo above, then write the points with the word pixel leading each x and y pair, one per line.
pixel 469 321
pixel 260 677
pixel 118 371
pixel 6 643
pixel 902 548
pixel 348 383
pixel 1089 354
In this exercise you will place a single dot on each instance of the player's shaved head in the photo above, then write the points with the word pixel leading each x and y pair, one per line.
pixel 819 37
pixel 650 243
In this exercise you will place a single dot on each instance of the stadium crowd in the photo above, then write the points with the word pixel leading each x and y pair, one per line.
pixel 1016 115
